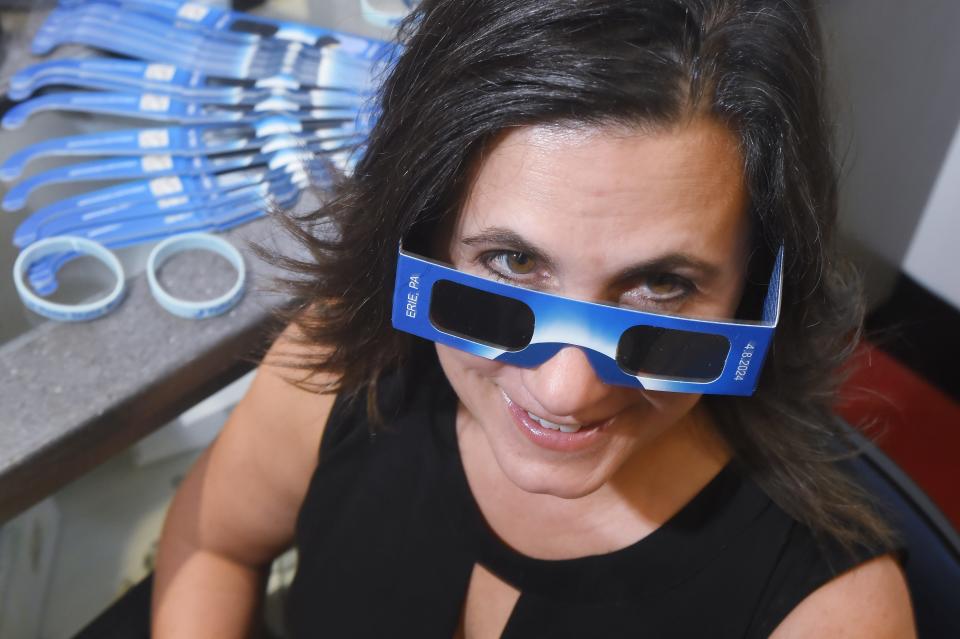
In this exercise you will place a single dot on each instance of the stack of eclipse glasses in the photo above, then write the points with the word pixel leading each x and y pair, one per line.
pixel 244 113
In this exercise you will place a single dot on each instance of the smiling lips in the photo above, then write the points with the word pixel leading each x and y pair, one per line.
pixel 551 435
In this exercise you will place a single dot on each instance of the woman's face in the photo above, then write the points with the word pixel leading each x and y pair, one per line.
pixel 651 220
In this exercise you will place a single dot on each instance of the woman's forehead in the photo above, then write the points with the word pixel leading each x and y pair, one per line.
pixel 679 188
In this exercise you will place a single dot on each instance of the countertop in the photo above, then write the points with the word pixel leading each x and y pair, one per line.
pixel 74 394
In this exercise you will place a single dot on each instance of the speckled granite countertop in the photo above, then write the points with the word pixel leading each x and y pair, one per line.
pixel 73 394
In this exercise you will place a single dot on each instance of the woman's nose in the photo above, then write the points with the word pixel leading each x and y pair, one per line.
pixel 566 385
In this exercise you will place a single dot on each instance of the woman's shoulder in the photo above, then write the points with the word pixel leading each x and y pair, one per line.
pixel 251 481
pixel 382 444
pixel 816 586
pixel 403 404
pixel 837 607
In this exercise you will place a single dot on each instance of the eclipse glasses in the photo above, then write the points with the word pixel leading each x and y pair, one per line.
pixel 628 347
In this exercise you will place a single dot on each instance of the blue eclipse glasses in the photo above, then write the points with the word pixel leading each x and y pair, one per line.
pixel 525 327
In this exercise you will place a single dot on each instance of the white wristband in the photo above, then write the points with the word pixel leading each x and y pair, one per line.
pixel 67 312
pixel 192 309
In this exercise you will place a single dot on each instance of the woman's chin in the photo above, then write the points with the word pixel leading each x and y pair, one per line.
pixel 556 480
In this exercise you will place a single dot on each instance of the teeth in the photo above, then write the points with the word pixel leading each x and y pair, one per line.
pixel 543 422
pixel 563 428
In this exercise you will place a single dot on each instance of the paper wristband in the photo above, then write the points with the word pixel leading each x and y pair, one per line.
pixel 187 308
pixel 68 312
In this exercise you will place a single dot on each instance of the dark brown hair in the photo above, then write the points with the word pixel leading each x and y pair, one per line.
pixel 469 69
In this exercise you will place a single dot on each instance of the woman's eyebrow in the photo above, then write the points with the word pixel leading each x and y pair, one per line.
pixel 669 263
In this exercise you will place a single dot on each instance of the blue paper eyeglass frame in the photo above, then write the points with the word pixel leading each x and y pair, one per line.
pixel 593 327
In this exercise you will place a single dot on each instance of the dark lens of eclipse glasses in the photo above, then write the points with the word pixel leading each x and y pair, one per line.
pixel 481 316
pixel 666 352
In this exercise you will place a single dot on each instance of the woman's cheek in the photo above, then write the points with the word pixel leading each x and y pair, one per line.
pixel 464 369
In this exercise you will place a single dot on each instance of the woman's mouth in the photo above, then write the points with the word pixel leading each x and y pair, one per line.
pixel 563 437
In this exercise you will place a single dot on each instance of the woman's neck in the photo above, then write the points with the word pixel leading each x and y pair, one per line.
pixel 648 489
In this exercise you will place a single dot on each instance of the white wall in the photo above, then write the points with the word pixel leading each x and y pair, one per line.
pixel 933 258
pixel 893 70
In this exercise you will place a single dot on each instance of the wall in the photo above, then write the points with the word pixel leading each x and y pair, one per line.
pixel 894 81
pixel 933 259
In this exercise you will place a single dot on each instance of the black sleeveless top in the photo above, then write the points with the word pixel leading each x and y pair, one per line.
pixel 389 533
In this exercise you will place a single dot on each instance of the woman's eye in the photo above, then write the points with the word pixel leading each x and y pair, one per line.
pixel 664 285
pixel 520 263
pixel 509 263
pixel 659 289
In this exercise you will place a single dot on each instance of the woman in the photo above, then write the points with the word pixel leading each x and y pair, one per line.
pixel 666 157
